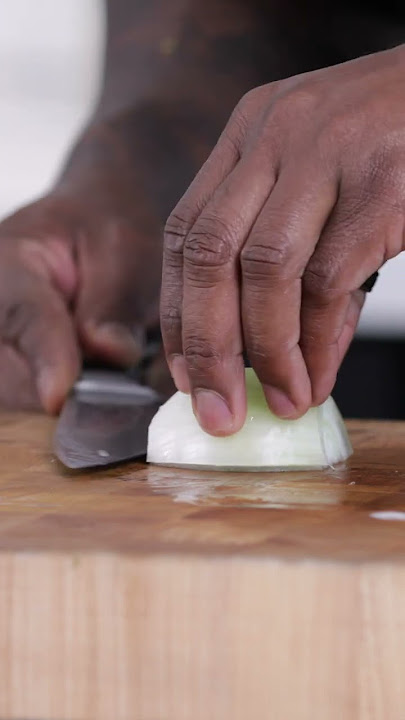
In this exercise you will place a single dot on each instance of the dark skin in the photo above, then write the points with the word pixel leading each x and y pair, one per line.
pixel 300 202
pixel 81 268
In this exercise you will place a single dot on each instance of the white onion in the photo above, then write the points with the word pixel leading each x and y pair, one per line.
pixel 316 440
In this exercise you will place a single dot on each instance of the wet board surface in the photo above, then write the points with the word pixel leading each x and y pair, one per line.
pixel 151 593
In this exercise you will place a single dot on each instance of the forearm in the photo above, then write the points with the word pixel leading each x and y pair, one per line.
pixel 173 73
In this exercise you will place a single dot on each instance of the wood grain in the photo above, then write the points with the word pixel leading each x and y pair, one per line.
pixel 145 593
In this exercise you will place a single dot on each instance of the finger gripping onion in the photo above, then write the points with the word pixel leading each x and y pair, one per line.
pixel 265 442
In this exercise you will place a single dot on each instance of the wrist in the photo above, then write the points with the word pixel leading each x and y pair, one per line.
pixel 152 149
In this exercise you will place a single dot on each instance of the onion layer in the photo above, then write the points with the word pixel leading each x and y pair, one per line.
pixel 316 440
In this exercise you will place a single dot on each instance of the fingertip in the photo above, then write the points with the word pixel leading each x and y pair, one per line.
pixel 213 413
pixel 178 369
pixel 221 410
pixel 279 402
pixel 54 383
pixel 322 389
pixel 52 390
pixel 283 405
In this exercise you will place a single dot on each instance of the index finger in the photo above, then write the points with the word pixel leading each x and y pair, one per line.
pixel 219 165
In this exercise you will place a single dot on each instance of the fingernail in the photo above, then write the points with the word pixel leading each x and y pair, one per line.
pixel 117 340
pixel 279 402
pixel 213 413
pixel 178 369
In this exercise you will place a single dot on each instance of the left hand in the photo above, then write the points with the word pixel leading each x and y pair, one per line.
pixel 302 199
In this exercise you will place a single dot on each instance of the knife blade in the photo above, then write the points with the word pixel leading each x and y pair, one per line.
pixel 105 420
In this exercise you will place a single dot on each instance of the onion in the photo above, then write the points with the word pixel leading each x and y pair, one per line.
pixel 316 440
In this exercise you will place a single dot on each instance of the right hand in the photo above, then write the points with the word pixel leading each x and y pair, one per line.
pixel 79 278
pixel 300 202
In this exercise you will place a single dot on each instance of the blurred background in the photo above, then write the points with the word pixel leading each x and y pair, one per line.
pixel 50 67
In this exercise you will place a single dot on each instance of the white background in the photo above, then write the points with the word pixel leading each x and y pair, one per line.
pixel 50 65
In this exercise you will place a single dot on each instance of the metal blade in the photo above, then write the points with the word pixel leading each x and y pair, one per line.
pixel 104 420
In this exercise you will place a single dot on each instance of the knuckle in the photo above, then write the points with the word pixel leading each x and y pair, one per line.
pixel 239 124
pixel 200 355
pixel 320 280
pixel 257 95
pixel 290 102
pixel 295 99
pixel 246 104
pixel 262 261
pixel 176 230
pixel 306 96
pixel 208 250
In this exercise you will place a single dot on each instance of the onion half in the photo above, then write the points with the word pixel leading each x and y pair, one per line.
pixel 316 440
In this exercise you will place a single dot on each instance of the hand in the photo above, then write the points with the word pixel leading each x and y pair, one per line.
pixel 79 278
pixel 302 199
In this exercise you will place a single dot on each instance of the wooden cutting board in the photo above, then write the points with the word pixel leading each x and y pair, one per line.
pixel 144 593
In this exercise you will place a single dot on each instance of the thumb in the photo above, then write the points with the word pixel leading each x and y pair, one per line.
pixel 119 287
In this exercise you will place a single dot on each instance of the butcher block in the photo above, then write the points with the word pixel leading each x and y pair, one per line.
pixel 151 593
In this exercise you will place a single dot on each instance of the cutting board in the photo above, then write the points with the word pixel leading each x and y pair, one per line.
pixel 145 593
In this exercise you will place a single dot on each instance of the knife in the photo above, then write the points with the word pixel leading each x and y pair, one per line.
pixel 106 417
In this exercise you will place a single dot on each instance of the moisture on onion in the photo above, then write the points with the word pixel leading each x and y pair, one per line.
pixel 316 440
